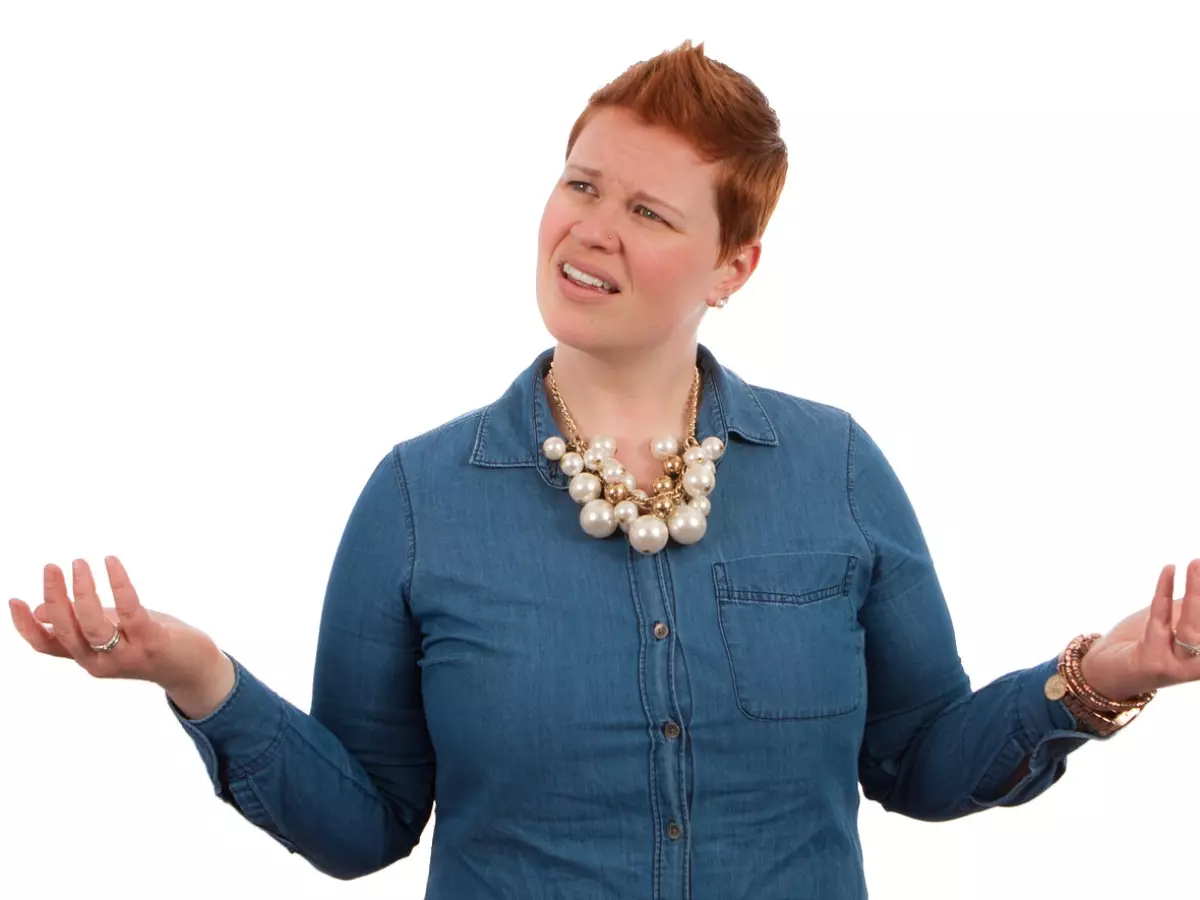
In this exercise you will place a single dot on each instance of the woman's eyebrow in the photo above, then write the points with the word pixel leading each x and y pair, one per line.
pixel 641 195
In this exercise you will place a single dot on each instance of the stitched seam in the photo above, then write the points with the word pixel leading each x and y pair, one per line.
pixel 667 586
pixel 263 759
pixel 850 451
pixel 410 530
pixel 652 767
pixel 716 395
pixel 722 591
pixel 276 827
pixel 477 451
pixel 1013 711
pixel 774 435
pixel 833 590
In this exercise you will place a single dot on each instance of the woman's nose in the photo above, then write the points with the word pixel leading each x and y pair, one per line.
pixel 596 232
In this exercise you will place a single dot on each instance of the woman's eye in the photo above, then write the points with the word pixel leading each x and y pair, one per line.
pixel 587 187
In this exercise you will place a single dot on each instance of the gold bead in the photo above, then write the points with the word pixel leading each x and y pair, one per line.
pixel 662 484
pixel 673 465
pixel 662 506
pixel 615 493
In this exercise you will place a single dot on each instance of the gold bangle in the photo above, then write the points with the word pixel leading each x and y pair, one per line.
pixel 1072 672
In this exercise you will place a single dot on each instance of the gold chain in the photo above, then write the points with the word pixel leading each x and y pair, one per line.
pixel 576 442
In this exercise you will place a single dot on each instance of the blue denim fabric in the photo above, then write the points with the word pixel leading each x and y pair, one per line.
pixel 478 648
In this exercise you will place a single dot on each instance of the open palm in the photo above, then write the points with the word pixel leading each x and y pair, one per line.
pixel 1140 654
pixel 154 646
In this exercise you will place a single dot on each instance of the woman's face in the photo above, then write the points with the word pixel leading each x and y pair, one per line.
pixel 635 205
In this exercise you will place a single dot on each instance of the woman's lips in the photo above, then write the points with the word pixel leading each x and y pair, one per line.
pixel 581 292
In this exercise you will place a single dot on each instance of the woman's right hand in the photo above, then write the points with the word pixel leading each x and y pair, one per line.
pixel 153 646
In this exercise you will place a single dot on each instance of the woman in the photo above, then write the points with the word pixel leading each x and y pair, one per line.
pixel 639 627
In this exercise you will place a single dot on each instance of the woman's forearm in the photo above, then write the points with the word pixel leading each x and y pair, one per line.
pixel 286 772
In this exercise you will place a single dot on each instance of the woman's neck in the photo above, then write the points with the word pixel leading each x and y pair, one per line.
pixel 633 397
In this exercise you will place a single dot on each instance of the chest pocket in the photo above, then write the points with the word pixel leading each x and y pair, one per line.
pixel 794 643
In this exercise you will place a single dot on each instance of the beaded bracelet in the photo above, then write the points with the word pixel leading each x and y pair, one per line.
pixel 1072 672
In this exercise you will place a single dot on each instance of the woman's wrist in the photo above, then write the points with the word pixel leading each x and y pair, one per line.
pixel 204 695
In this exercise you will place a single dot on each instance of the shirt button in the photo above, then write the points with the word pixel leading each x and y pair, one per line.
pixel 671 731
pixel 674 831
pixel 660 630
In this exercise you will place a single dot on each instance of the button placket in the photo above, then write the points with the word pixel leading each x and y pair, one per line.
pixel 668 759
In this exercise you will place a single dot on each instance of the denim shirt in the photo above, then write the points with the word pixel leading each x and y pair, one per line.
pixel 595 723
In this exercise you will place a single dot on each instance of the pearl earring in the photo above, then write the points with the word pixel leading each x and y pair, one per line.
pixel 720 304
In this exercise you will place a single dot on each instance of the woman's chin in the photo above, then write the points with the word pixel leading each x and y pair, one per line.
pixel 575 327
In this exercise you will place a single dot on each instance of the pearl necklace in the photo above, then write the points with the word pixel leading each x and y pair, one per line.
pixel 677 505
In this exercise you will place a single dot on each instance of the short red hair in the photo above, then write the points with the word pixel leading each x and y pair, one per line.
pixel 724 116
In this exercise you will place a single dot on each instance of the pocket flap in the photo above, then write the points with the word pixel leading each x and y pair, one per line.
pixel 785 577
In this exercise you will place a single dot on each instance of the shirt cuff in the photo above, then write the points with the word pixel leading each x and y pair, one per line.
pixel 1045 734
pixel 242 734
pixel 1038 714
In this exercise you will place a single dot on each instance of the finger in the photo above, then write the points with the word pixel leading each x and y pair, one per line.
pixel 34 634
pixel 1188 626
pixel 1190 613
pixel 135 621
pixel 94 624
pixel 60 613
pixel 1158 623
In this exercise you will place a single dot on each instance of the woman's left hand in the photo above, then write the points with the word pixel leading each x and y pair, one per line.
pixel 1140 654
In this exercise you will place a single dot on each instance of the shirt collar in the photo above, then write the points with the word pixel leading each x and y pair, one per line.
pixel 512 429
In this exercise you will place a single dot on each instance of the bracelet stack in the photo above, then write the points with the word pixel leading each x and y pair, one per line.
pixel 1072 672
pixel 1093 711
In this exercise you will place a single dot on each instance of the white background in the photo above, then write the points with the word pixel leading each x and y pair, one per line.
pixel 247 247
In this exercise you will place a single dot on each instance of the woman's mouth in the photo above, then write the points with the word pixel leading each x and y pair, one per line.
pixel 584 281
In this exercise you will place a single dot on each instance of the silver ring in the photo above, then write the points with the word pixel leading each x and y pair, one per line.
pixel 112 641
pixel 1190 648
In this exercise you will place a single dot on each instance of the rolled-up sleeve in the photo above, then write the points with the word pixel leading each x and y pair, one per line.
pixel 933 748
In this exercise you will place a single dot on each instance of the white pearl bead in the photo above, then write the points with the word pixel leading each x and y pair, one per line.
pixel 713 446
pixel 604 442
pixel 554 447
pixel 584 487
pixel 648 534
pixel 640 494
pixel 626 512
pixel 597 519
pixel 698 481
pixel 611 471
pixel 662 447
pixel 687 524
pixel 593 457
pixel 571 464
pixel 708 464
pixel 701 503
pixel 629 480
pixel 693 456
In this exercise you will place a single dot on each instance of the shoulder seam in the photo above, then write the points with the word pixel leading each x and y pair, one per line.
pixel 410 530
pixel 850 451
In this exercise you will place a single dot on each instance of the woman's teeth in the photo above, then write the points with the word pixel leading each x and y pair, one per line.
pixel 585 279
